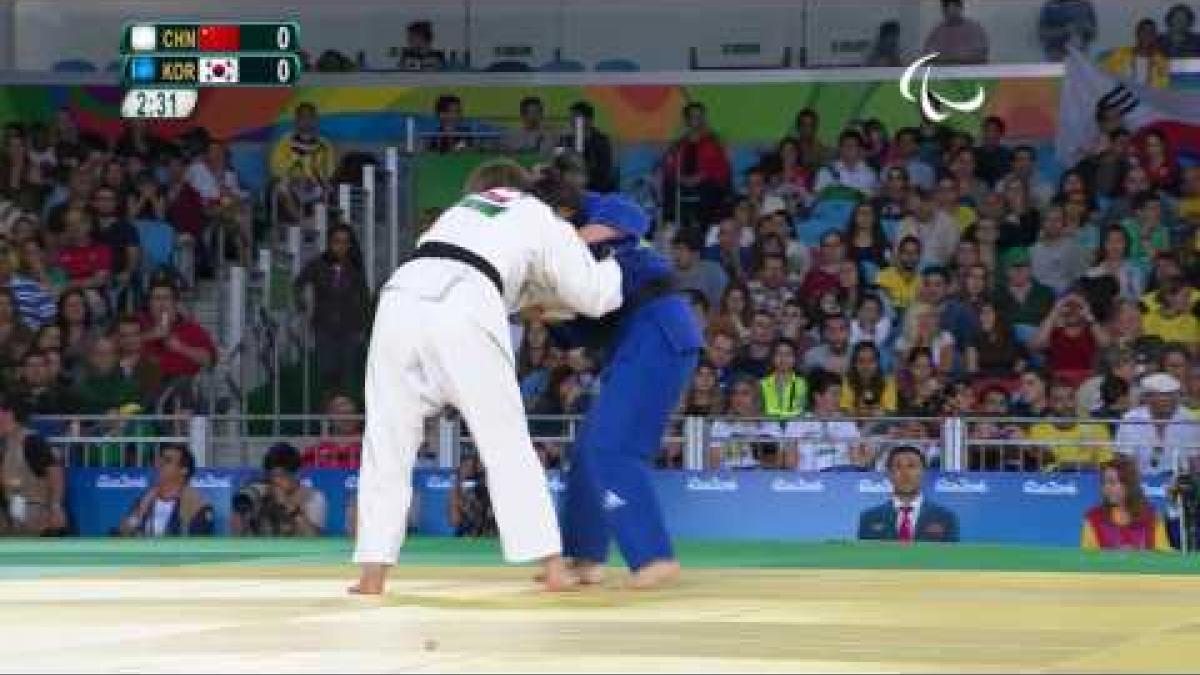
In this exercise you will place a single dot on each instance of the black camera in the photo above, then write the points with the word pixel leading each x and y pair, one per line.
pixel 250 498
pixel 1185 491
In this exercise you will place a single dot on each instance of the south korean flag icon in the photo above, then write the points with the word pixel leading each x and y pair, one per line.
pixel 219 70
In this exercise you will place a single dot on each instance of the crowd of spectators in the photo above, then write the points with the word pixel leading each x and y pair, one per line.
pixel 959 280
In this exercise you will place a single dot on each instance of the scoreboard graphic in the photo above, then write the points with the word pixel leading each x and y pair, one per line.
pixel 166 64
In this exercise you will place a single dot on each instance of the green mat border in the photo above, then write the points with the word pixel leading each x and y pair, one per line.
pixel 36 557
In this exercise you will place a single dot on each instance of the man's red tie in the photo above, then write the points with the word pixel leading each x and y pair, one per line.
pixel 906 524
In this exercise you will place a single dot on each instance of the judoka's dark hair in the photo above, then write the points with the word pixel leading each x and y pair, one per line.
pixel 556 190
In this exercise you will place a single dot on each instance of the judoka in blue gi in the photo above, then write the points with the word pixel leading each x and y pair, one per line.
pixel 652 345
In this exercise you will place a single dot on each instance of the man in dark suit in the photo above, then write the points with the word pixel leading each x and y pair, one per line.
pixel 908 516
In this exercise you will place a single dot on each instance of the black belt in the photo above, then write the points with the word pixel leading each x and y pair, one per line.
pixel 447 251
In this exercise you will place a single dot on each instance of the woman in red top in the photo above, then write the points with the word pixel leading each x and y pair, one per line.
pixel 1071 338
pixel 1124 520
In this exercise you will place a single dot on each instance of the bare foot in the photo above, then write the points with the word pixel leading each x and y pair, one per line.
pixel 589 573
pixel 656 574
pixel 556 577
pixel 372 580
pixel 585 573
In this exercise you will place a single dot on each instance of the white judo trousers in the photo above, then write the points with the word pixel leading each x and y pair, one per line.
pixel 441 338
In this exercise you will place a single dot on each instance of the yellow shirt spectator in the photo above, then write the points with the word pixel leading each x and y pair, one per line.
pixel 297 156
pixel 1154 70
pixel 886 402
pixel 900 288
pixel 1066 454
pixel 1183 328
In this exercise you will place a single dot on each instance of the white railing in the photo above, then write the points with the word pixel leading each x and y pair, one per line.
pixel 240 440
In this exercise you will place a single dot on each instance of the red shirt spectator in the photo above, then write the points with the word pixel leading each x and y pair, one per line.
pixel 181 346
pixel 185 206
pixel 82 262
pixel 1071 357
pixel 698 154
pixel 330 454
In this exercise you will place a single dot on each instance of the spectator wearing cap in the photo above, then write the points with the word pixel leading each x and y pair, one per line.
pixel 1023 302
pixel 32 494
pixel 1144 61
pixel 1161 434
pixel 850 170
pixel 1180 41
pixel 1124 520
pixel 693 272
pixel 171 507
pixel 908 516
pixel 937 230
pixel 957 39
pixel 597 148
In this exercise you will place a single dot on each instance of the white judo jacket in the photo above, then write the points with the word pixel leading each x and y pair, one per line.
pixel 530 247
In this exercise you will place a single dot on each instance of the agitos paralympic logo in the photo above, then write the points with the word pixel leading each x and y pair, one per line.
pixel 928 97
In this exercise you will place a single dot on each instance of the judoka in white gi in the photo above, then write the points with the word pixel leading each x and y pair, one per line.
pixel 441 337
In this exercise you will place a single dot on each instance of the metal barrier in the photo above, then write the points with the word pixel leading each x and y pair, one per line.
pixel 952 444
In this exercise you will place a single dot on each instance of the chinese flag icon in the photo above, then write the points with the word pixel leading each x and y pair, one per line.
pixel 220 38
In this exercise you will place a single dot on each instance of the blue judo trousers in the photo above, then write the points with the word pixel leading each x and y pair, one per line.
pixel 653 343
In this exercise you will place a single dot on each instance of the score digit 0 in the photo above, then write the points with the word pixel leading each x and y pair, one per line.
pixel 283 69
pixel 283 39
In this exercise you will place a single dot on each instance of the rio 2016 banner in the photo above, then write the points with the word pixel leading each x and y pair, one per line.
pixel 1030 509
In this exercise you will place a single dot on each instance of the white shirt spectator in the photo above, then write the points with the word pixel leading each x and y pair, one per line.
pixel 824 444
pixel 741 436
pixel 202 180
pixel 1155 446
pixel 877 334
pixel 938 236
pixel 861 177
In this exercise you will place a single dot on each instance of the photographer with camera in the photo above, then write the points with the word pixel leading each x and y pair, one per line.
pixel 32 479
pixel 278 504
